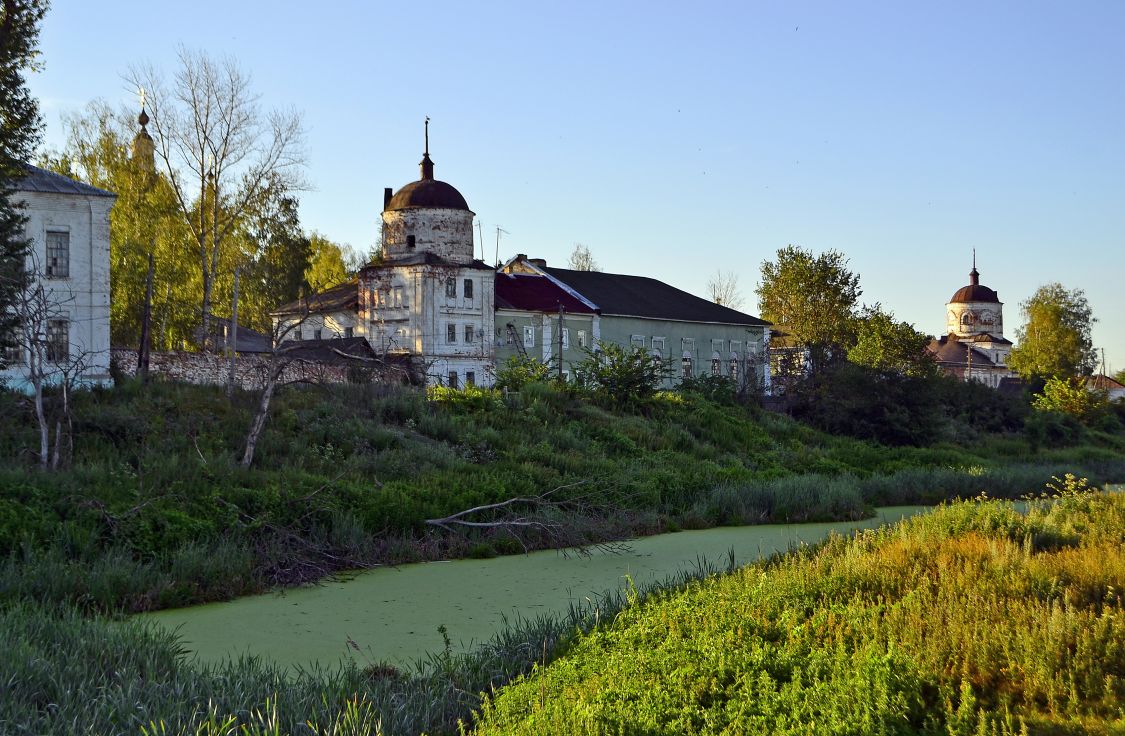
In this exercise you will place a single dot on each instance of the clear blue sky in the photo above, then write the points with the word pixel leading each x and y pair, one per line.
pixel 674 139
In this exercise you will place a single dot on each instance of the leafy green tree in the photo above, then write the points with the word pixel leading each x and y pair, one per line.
pixel 885 344
pixel 328 263
pixel 813 298
pixel 520 370
pixel 621 377
pixel 20 129
pixel 1055 339
pixel 1071 396
pixel 145 219
pixel 1119 376
pixel 279 255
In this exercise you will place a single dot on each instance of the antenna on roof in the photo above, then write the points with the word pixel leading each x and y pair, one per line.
pixel 498 231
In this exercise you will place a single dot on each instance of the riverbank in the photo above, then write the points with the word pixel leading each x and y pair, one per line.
pixel 154 513
pixel 400 615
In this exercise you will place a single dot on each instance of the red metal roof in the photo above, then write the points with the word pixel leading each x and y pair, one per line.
pixel 535 294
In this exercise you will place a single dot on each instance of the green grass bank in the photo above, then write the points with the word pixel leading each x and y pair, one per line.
pixel 152 510
pixel 974 619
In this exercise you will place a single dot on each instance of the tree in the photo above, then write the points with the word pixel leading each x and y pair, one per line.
pixel 886 345
pixel 328 263
pixel 1120 376
pixel 621 377
pixel 723 289
pixel 1055 339
pixel 581 259
pixel 278 257
pixel 813 298
pixel 20 129
pixel 1071 395
pixel 222 155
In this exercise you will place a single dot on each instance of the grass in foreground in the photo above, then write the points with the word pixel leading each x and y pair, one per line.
pixel 970 620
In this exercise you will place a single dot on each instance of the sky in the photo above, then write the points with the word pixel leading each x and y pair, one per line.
pixel 678 139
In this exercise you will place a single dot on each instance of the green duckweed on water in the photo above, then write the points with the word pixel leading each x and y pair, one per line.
pixel 393 613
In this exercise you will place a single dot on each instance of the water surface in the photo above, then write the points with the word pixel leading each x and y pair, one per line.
pixel 393 613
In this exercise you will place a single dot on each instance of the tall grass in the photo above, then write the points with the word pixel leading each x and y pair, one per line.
pixel 973 619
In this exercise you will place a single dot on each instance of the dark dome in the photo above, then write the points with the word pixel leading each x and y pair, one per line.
pixel 427 193
pixel 975 293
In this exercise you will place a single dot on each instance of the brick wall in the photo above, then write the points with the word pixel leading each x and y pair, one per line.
pixel 211 369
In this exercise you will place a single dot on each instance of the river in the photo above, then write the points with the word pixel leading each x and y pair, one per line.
pixel 393 613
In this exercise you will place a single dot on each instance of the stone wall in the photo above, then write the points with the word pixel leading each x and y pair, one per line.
pixel 211 369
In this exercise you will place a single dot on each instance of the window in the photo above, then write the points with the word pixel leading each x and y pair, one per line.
pixel 409 241
pixel 12 353
pixel 470 378
pixel 398 296
pixel 716 367
pixel 528 336
pixel 469 333
pixel 717 346
pixel 734 369
pixel 318 334
pixel 58 255
pixel 735 346
pixel 582 338
pixel 637 341
pixel 453 379
pixel 451 333
pixel 685 364
pixel 658 344
pixel 349 332
pixel 566 338
pixel 383 297
pixel 451 287
pixel 468 288
pixel 688 344
pixel 58 340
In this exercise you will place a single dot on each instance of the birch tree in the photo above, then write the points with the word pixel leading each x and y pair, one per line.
pixel 222 154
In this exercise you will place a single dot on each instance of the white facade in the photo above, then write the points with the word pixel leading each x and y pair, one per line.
pixel 68 226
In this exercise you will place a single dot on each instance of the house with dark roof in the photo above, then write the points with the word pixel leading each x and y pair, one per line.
pixel 326 315
pixel 68 226
pixel 694 336
pixel 537 317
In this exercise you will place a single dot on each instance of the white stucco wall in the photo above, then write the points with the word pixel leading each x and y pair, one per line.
pixel 82 297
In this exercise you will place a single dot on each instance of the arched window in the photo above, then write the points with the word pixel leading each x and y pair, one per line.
pixel 967 319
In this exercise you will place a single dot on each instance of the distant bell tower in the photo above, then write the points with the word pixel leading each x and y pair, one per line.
pixel 144 149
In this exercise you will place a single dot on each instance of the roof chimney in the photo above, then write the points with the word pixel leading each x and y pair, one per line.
pixel 540 262
pixel 387 194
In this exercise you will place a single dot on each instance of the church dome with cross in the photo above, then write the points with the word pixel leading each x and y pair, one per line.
pixel 975 309
pixel 428 217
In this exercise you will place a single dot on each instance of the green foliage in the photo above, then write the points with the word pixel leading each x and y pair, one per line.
pixel 897 409
pixel 886 345
pixel 1071 396
pixel 327 264
pixel 1055 339
pixel 620 376
pixel 717 389
pixel 519 370
pixel 813 298
pixel 843 639
pixel 20 131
